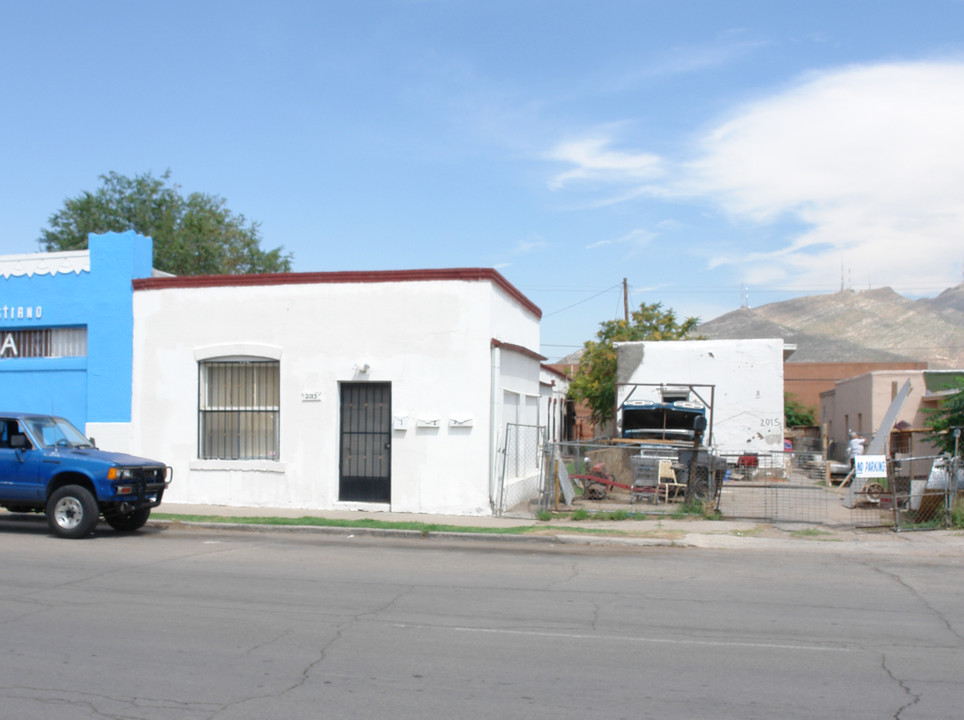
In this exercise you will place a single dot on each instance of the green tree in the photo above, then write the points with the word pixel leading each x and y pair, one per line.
pixel 193 235
pixel 947 416
pixel 796 414
pixel 595 378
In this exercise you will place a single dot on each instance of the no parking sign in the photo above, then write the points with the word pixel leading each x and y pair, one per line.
pixel 870 466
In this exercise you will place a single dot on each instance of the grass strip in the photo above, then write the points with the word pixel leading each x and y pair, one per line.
pixel 424 528
pixel 311 521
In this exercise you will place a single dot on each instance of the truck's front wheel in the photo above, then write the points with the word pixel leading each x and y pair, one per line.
pixel 72 512
pixel 128 522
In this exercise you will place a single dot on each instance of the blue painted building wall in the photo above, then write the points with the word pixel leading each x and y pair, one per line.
pixel 95 388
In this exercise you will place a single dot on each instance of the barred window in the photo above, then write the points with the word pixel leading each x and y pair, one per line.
pixel 238 409
pixel 44 343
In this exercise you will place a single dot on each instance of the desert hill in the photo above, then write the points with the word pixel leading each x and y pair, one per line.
pixel 856 326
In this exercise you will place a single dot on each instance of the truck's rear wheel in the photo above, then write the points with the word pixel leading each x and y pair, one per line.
pixel 72 512
pixel 128 522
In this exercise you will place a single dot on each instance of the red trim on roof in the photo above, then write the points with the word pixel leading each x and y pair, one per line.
pixel 555 371
pixel 368 276
pixel 519 349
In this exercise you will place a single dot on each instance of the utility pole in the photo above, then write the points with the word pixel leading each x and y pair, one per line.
pixel 625 300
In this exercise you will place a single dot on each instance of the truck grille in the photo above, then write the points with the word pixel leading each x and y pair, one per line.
pixel 150 474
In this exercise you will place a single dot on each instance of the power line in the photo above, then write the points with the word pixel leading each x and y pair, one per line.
pixel 581 302
pixel 728 289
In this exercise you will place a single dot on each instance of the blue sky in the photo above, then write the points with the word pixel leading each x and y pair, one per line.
pixel 693 148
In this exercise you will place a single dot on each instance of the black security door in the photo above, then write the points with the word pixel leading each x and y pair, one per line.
pixel 366 443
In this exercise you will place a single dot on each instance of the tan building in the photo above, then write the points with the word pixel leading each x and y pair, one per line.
pixel 805 381
pixel 859 404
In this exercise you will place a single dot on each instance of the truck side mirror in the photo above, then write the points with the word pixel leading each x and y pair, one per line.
pixel 18 442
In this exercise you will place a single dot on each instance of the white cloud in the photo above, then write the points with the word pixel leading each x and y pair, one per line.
pixel 530 245
pixel 867 160
pixel 860 133
pixel 636 240
pixel 724 50
pixel 594 162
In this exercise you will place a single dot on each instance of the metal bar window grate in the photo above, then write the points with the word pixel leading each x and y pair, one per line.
pixel 238 410
pixel 44 343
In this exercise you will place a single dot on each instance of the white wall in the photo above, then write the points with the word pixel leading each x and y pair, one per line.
pixel 431 339
pixel 552 405
pixel 748 378
pixel 115 437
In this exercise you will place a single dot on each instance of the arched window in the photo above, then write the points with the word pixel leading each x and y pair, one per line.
pixel 238 408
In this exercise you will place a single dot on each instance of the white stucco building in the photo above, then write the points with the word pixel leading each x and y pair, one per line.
pixel 553 406
pixel 739 381
pixel 357 390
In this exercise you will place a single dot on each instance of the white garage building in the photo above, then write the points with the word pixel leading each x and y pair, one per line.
pixel 739 381
pixel 356 390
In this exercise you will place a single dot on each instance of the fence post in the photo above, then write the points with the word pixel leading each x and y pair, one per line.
pixel 952 480
pixel 555 486
pixel 894 499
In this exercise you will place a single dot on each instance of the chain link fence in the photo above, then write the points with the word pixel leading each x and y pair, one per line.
pixel 917 492
pixel 521 478
pixel 907 498
pixel 778 487
pixel 611 477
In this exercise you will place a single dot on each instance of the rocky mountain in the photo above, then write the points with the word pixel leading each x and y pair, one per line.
pixel 951 299
pixel 853 326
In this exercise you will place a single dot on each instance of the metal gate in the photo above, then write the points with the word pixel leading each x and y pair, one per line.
pixel 521 479
pixel 365 467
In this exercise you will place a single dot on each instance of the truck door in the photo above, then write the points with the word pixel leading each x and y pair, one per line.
pixel 19 465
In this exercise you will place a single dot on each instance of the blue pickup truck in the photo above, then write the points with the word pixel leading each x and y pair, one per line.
pixel 48 466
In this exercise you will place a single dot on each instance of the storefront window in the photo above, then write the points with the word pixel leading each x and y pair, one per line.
pixel 238 409
pixel 44 343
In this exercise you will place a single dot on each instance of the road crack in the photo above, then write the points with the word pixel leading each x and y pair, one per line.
pixel 914 697
pixel 920 598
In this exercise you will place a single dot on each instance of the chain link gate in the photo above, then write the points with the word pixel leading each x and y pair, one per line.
pixel 521 480
pixel 920 501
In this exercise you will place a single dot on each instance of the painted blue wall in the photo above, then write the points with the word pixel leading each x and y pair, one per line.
pixel 96 388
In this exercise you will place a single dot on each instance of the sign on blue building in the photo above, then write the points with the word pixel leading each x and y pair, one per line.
pixel 66 325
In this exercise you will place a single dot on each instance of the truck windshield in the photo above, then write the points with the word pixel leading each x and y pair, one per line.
pixel 56 432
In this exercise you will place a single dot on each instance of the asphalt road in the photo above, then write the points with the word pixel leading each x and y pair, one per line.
pixel 198 624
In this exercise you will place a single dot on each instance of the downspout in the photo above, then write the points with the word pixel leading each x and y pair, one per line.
pixel 494 405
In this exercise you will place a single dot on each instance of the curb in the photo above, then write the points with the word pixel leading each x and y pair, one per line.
pixel 897 546
pixel 351 531
pixel 687 541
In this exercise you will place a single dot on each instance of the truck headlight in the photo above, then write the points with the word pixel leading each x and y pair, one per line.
pixel 116 473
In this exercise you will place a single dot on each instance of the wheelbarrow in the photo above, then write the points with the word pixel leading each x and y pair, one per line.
pixel 597 483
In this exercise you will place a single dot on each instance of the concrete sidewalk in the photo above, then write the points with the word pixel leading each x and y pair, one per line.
pixel 653 531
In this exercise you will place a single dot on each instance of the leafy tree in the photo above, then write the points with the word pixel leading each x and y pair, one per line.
pixel 947 416
pixel 193 235
pixel 796 414
pixel 595 378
